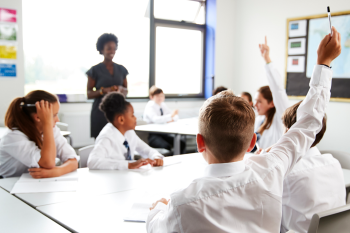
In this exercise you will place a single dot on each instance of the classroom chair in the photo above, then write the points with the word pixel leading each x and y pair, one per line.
pixel 341 156
pixel 84 155
pixel 334 220
pixel 64 127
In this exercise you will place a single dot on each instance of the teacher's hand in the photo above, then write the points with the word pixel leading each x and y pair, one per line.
pixel 110 89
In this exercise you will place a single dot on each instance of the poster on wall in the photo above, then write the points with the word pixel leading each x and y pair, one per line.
pixel 8 43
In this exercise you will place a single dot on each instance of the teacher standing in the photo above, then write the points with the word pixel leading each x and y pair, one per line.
pixel 103 78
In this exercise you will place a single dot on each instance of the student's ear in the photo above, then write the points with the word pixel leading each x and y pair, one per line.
pixel 200 143
pixel 121 119
pixel 271 104
pixel 35 117
pixel 252 143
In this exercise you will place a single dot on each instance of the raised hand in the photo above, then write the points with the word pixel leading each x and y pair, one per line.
pixel 329 48
pixel 265 51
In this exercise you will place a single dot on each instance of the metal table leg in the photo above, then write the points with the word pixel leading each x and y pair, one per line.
pixel 177 144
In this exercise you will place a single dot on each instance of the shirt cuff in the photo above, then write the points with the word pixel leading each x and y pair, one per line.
pixel 157 156
pixel 176 118
pixel 321 76
pixel 123 165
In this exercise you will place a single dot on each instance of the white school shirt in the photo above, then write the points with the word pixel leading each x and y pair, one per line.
pixel 315 184
pixel 18 153
pixel 246 196
pixel 110 153
pixel 280 99
pixel 152 113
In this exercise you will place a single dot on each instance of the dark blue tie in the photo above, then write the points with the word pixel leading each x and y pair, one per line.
pixel 161 111
pixel 128 155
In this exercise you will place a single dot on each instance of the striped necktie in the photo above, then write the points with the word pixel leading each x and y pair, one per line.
pixel 128 155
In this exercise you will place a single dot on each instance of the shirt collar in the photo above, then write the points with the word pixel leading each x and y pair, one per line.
pixel 224 169
pixel 116 133
pixel 312 152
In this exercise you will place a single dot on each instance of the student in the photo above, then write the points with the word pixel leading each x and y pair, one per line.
pixel 248 97
pixel 116 144
pixel 271 102
pixel 219 89
pixel 237 195
pixel 33 140
pixel 315 184
pixel 157 112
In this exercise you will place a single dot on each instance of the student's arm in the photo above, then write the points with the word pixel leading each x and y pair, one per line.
pixel 154 118
pixel 280 98
pixel 68 166
pixel 99 158
pixel 48 149
pixel 162 218
pixel 297 141
pixel 145 150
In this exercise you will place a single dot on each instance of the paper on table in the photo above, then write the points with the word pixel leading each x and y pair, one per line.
pixel 65 183
pixel 139 212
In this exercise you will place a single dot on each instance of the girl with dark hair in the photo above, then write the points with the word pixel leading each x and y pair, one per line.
pixel 116 144
pixel 33 140
pixel 271 102
pixel 104 78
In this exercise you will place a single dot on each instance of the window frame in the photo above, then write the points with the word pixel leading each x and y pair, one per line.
pixel 155 22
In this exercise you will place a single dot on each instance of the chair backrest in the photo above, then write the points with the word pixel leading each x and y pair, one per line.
pixel 341 156
pixel 62 126
pixel 84 155
pixel 334 220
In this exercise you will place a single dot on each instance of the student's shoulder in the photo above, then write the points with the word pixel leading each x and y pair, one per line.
pixel 12 136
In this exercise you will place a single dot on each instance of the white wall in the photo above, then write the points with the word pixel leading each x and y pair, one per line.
pixel 242 25
pixel 11 88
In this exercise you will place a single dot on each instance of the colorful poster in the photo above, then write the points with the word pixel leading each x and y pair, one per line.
pixel 8 52
pixel 8 32
pixel 8 70
pixel 8 15
pixel 296 64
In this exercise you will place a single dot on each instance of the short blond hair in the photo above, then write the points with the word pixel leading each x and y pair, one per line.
pixel 226 123
pixel 154 91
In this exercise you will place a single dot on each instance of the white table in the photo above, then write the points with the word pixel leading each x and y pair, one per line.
pixel 187 126
pixel 16 216
pixel 104 213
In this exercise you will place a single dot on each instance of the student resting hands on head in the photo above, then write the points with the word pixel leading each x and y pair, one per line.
pixel 117 142
pixel 237 195
pixel 33 140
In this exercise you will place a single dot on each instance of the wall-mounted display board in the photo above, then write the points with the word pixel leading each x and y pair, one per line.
pixel 304 34
pixel 8 43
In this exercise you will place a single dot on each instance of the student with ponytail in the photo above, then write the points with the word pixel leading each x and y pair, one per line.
pixel 33 140
pixel 270 104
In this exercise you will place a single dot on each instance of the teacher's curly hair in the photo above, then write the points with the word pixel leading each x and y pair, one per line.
pixel 105 38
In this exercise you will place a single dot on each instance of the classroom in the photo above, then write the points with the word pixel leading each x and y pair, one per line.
pixel 174 116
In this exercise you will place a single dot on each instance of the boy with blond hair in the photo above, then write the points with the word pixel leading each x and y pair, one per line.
pixel 237 195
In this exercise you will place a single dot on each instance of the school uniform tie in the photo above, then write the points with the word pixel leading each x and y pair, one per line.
pixel 161 111
pixel 128 154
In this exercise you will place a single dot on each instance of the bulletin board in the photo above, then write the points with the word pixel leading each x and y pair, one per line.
pixel 303 37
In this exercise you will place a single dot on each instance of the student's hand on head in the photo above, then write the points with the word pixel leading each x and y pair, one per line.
pixel 139 163
pixel 44 112
pixel 158 162
pixel 163 200
pixel 265 51
pixel 38 173
pixel 329 48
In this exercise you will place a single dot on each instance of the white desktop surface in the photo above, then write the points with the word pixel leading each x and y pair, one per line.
pixel 188 126
pixel 105 213
pixel 16 216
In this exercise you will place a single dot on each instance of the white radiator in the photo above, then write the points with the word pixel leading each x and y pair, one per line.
pixel 79 126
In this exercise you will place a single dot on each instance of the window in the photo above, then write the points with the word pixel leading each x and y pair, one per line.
pixel 60 42
pixel 177 47
pixel 179 60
